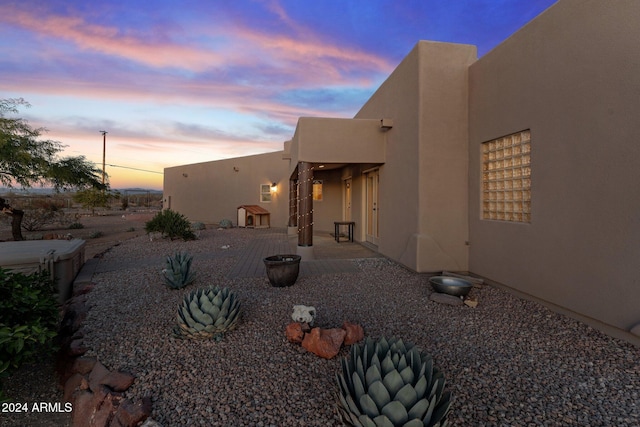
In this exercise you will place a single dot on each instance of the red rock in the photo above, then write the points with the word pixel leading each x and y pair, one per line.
pixel 105 410
pixel 96 376
pixel 83 365
pixel 325 343
pixel 295 332
pixel 132 414
pixel 118 381
pixel 82 408
pixel 76 348
pixel 355 333
pixel 70 386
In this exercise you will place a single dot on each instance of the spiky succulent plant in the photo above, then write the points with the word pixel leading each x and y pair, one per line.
pixel 391 383
pixel 207 313
pixel 178 273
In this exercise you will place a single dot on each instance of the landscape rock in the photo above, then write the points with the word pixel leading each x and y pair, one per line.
pixel 76 348
pixel 82 408
pixel 96 376
pixel 83 365
pixel 118 381
pixel 70 386
pixel 445 299
pixel 325 343
pixel 295 332
pixel 355 333
pixel 132 414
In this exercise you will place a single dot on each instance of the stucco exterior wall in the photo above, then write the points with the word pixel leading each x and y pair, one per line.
pixel 423 183
pixel 212 191
pixel 571 76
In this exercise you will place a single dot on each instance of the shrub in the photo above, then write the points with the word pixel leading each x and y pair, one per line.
pixel 96 234
pixel 225 223
pixel 170 224
pixel 198 226
pixel 37 219
pixel 75 226
pixel 28 318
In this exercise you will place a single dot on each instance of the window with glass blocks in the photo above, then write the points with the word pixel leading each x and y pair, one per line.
pixel 506 178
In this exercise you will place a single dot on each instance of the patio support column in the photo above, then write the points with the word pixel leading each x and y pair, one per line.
pixel 293 207
pixel 305 210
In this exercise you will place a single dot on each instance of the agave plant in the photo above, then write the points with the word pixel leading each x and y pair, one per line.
pixel 177 275
pixel 391 383
pixel 207 313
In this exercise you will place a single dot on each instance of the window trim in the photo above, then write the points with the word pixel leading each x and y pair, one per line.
pixel 265 196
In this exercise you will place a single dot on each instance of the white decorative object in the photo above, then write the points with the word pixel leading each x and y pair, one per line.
pixel 304 314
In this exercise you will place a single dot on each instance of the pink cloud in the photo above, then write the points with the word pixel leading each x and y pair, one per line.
pixel 302 60
pixel 110 40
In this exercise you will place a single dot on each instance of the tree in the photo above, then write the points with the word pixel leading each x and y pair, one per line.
pixel 26 160
pixel 93 198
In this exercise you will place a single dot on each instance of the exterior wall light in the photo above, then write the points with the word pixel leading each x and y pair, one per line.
pixel 274 187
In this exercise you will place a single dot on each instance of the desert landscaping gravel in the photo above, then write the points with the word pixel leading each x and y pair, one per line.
pixel 508 361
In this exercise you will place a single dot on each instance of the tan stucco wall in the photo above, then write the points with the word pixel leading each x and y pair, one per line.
pixel 423 183
pixel 212 191
pixel 572 76
pixel 328 210
pixel 335 140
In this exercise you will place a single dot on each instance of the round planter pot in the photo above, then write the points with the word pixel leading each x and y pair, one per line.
pixel 282 270
pixel 451 285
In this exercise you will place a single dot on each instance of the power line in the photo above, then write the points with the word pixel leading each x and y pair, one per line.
pixel 135 169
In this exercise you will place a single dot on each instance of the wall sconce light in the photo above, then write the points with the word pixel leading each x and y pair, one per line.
pixel 185 175
pixel 274 186
pixel 236 169
pixel 386 124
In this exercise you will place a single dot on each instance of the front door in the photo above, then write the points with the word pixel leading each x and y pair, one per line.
pixel 372 206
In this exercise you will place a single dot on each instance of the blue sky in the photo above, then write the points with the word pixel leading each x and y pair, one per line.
pixel 177 82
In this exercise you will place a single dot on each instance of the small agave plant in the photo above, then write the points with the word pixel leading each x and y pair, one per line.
pixel 207 313
pixel 391 383
pixel 177 275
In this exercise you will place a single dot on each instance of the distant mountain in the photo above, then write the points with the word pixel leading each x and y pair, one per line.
pixel 44 191
pixel 138 191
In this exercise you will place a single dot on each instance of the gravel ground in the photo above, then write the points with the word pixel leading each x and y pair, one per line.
pixel 509 362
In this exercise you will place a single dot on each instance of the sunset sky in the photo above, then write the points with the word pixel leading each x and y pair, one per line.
pixel 178 82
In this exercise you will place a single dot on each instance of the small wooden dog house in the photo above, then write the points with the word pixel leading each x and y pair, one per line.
pixel 253 216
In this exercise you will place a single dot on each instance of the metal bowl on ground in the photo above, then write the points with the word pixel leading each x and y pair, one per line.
pixel 450 285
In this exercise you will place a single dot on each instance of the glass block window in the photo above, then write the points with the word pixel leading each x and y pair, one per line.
pixel 506 178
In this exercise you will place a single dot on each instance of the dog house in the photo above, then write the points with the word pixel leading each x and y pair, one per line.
pixel 253 216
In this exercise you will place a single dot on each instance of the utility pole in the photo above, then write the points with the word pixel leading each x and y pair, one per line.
pixel 104 152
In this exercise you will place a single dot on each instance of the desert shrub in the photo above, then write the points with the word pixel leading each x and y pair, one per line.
pixel 42 212
pixel 225 223
pixel 170 224
pixel 198 226
pixel 37 219
pixel 75 226
pixel 130 229
pixel 96 234
pixel 28 318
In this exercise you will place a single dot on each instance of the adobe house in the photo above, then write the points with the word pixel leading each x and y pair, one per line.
pixel 521 166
